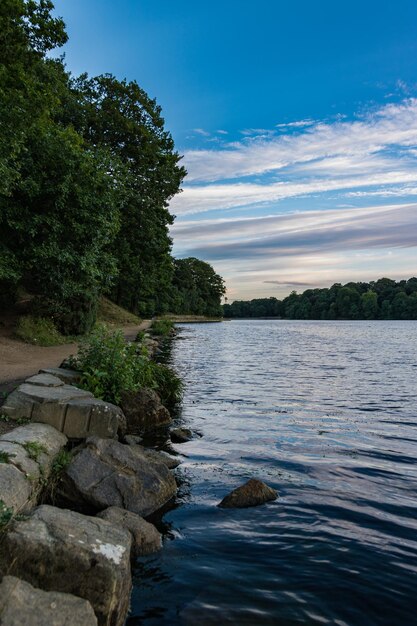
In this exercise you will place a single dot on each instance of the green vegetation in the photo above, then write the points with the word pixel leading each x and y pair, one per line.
pixel 60 462
pixel 19 420
pixel 34 449
pixel 5 456
pixel 6 515
pixel 197 289
pixel 162 327
pixel 381 299
pixel 110 313
pixel 110 366
pixel 39 331
pixel 87 170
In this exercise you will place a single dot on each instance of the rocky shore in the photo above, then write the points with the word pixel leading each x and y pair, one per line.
pixel 77 490
pixel 76 487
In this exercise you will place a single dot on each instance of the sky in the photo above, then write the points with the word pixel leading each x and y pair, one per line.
pixel 297 122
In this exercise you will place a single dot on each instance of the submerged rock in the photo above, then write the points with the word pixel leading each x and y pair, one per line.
pixel 181 435
pixel 145 538
pixel 60 550
pixel 24 605
pixel 252 493
pixel 106 473
pixel 143 410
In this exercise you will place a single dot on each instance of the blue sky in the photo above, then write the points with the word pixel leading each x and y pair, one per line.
pixel 298 125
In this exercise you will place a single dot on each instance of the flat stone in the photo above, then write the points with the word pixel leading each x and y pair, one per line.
pixel 133 440
pixel 106 473
pixel 252 493
pixel 70 377
pixel 24 605
pixel 64 551
pixel 145 537
pixel 18 456
pixel 73 411
pixel 44 380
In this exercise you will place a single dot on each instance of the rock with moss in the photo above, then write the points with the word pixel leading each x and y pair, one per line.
pixel 64 551
pixel 145 537
pixel 105 473
pixel 21 604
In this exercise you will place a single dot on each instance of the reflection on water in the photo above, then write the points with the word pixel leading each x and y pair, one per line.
pixel 326 413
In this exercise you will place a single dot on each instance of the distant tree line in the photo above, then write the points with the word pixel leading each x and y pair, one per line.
pixel 381 299
pixel 86 173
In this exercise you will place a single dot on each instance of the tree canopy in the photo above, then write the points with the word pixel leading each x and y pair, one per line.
pixel 87 170
pixel 381 299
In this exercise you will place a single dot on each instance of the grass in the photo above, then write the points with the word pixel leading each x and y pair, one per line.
pixel 34 449
pixel 20 421
pixel 39 331
pixel 111 313
pixel 5 457
pixel 162 327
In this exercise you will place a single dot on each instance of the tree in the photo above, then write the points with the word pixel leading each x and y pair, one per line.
pixel 120 117
pixel 197 289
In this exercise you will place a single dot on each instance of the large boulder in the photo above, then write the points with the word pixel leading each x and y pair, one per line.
pixel 75 412
pixel 252 493
pixel 60 550
pixel 145 538
pixel 106 473
pixel 143 410
pixel 24 605
pixel 26 455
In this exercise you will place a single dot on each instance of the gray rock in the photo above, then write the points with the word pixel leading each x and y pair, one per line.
pixel 27 453
pixel 73 411
pixel 143 410
pixel 145 538
pixel 60 550
pixel 106 473
pixel 68 376
pixel 15 488
pixel 161 457
pixel 132 440
pixel 44 380
pixel 24 605
pixel 252 493
pixel 181 435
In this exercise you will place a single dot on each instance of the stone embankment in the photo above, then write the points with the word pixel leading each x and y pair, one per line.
pixel 71 564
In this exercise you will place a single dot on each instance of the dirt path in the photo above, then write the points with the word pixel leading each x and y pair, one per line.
pixel 18 360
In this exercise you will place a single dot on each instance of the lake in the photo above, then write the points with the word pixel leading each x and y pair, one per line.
pixel 324 412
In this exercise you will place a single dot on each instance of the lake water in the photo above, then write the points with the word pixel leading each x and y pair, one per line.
pixel 326 413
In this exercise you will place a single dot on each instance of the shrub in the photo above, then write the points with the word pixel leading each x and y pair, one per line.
pixel 39 331
pixel 162 327
pixel 110 366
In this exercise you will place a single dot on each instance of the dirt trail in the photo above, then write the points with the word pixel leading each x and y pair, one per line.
pixel 18 360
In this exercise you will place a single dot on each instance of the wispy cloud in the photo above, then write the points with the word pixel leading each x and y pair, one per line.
pixel 380 144
pixel 311 232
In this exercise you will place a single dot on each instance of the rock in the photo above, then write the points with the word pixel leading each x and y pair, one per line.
pixel 15 488
pixel 44 380
pixel 27 455
pixel 161 457
pixel 181 435
pixel 60 550
pixel 73 411
pixel 145 538
pixel 132 440
pixel 67 376
pixel 106 473
pixel 32 448
pixel 24 605
pixel 252 493
pixel 143 410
